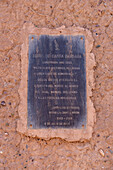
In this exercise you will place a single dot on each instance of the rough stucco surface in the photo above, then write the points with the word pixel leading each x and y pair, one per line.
pixel 18 151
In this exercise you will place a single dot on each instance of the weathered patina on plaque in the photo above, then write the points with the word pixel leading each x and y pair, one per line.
pixel 57 82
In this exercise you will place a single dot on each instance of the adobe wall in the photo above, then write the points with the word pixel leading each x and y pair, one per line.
pixel 19 151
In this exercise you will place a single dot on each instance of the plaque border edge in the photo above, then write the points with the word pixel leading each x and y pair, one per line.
pixel 66 134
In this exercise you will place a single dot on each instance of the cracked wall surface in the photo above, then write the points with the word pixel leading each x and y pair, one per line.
pixel 18 151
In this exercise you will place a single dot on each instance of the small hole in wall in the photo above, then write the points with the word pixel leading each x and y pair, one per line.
pixel 50 6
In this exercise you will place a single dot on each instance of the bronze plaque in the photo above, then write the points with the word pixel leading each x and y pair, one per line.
pixel 57 82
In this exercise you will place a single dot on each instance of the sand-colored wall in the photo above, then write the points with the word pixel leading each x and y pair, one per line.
pixel 18 151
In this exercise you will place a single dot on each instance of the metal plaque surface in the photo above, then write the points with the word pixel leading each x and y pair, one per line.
pixel 57 82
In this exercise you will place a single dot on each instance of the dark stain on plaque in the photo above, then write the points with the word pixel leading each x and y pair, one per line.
pixel 57 82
